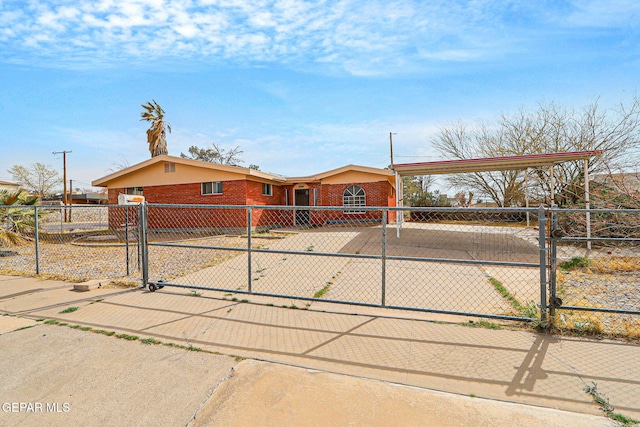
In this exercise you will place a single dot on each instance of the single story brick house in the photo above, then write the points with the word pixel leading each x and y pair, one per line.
pixel 176 180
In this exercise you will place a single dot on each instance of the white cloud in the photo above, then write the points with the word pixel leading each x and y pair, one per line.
pixel 596 13
pixel 353 35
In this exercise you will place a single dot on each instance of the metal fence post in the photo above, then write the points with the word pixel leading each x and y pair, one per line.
pixel 542 244
pixel 126 235
pixel 36 225
pixel 553 265
pixel 249 242
pixel 144 248
pixel 384 257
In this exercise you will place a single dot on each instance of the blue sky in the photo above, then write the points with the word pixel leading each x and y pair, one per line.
pixel 301 86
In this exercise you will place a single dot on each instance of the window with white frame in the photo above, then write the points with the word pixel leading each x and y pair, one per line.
pixel 169 167
pixel 212 187
pixel 133 190
pixel 267 190
pixel 354 197
pixel 315 197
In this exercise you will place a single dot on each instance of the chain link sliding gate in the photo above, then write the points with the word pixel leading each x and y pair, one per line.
pixel 481 262
pixel 437 261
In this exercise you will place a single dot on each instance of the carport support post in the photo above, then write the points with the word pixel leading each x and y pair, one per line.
pixel 384 256
pixel 144 248
pixel 399 203
pixel 542 244
pixel 37 232
pixel 526 195
pixel 552 187
pixel 553 264
pixel 586 201
pixel 249 273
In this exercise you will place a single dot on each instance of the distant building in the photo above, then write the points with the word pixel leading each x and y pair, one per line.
pixel 78 198
pixel 9 186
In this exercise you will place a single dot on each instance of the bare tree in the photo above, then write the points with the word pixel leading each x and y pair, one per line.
pixel 118 166
pixel 548 129
pixel 417 191
pixel 37 178
pixel 458 142
pixel 216 154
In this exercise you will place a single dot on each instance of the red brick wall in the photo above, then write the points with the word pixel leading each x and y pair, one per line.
pixel 241 193
pixel 255 196
pixel 233 193
pixel 112 195
pixel 376 193
pixel 265 217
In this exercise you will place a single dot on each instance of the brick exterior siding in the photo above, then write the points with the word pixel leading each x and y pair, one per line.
pixel 249 193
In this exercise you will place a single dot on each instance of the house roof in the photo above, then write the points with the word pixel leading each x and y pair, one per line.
pixel 9 184
pixel 491 163
pixel 102 182
pixel 343 169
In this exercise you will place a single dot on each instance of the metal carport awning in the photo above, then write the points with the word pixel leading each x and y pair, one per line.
pixel 489 164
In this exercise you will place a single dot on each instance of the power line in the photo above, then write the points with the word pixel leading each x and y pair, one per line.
pixel 422 157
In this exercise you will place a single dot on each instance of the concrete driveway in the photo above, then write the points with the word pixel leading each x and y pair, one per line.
pixel 444 286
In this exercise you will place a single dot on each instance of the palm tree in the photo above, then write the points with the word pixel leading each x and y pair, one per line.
pixel 16 219
pixel 156 134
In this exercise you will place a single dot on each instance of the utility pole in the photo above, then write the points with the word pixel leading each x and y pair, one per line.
pixel 391 146
pixel 64 180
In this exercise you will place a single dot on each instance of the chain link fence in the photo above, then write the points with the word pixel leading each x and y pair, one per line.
pixel 77 243
pixel 594 271
pixel 524 264
pixel 483 262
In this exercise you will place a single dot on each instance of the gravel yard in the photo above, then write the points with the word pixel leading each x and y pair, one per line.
pixel 81 262
pixel 620 291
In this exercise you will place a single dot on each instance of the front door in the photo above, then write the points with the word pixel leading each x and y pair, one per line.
pixel 302 199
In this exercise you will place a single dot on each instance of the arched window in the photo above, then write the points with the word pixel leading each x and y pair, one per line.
pixel 354 197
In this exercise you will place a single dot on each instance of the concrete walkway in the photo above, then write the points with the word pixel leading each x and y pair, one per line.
pixel 493 366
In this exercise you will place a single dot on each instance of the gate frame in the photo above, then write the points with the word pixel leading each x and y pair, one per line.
pixel 383 257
